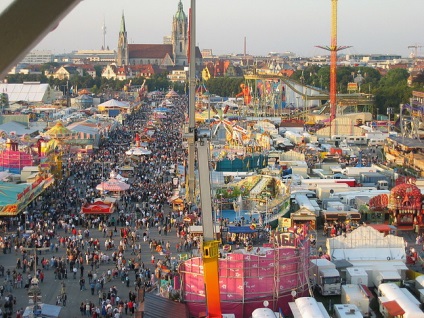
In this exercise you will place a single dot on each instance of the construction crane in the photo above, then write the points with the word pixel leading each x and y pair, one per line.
pixel 415 47
pixel 333 48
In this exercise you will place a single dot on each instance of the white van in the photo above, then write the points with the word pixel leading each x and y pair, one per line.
pixel 375 142
pixel 356 140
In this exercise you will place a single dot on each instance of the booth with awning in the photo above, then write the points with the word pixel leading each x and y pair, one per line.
pixel 241 230
pixel 98 207
pixel 341 216
pixel 15 197
pixel 304 215
pixel 126 171
pixel 392 307
pixel 177 204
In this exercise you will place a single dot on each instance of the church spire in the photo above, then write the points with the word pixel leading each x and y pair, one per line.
pixel 122 53
pixel 180 15
pixel 123 29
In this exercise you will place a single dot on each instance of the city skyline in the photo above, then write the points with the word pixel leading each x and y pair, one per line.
pixel 269 25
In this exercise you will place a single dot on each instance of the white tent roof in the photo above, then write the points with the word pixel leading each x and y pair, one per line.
pixel 366 243
pixel 81 127
pixel 114 103
pixel 21 129
pixel 29 92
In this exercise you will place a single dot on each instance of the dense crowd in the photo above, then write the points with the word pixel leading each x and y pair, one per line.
pixel 54 222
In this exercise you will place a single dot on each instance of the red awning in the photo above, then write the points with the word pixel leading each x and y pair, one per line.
pixel 98 207
pixel 393 308
pixel 366 291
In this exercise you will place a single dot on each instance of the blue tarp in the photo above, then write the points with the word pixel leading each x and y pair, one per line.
pixel 47 311
pixel 240 229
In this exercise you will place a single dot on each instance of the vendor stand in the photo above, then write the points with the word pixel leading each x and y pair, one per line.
pixel 303 216
pixel 177 204
pixel 126 171
pixel 242 235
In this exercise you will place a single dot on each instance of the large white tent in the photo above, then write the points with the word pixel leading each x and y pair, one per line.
pixel 365 244
pixel 112 103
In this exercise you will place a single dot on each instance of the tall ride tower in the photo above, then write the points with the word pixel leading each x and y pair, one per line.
pixel 333 48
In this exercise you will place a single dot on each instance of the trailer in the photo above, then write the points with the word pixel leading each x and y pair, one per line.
pixel 264 313
pixel 374 179
pixel 358 295
pixel 326 190
pixel 313 183
pixel 386 276
pixel 347 311
pixel 393 298
pixel 307 307
pixel 294 137
pixel 355 171
pixel 388 265
pixel 356 275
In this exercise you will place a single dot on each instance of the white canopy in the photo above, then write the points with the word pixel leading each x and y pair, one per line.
pixel 113 103
pixel 366 243
pixel 138 151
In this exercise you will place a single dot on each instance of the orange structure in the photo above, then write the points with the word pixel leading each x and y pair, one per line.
pixel 333 48
pixel 245 92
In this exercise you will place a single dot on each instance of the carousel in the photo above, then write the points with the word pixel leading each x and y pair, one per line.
pixel 138 150
pixel 113 185
pixel 58 135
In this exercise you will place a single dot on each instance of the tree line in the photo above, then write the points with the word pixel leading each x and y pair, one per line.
pixel 389 90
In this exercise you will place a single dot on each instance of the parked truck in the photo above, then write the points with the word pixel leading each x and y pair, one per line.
pixel 294 137
pixel 355 171
pixel 386 276
pixel 374 179
pixel 325 277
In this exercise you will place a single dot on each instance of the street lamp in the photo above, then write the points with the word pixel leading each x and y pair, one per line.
pixel 221 207
pixel 26 216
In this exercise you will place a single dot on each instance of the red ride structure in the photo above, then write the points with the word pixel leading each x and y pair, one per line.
pixel 333 48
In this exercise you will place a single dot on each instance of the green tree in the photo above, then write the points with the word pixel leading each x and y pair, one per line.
pixel 224 86
pixel 392 91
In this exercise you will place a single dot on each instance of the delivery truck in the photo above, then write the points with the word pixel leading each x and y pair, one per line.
pixel 325 277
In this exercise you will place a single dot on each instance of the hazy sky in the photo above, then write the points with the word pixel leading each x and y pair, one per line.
pixel 369 26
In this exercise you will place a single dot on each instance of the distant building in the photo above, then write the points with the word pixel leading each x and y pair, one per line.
pixel 66 71
pixel 26 69
pixel 121 73
pixel 206 53
pixel 99 57
pixel 172 53
pixel 38 57
pixel 178 76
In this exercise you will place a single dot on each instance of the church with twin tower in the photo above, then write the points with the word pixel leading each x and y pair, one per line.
pixel 173 54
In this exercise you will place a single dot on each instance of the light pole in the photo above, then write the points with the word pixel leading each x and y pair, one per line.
pixel 221 205
pixel 25 222
pixel 389 112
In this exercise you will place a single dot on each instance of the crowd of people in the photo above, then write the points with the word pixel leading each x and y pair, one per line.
pixel 64 237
